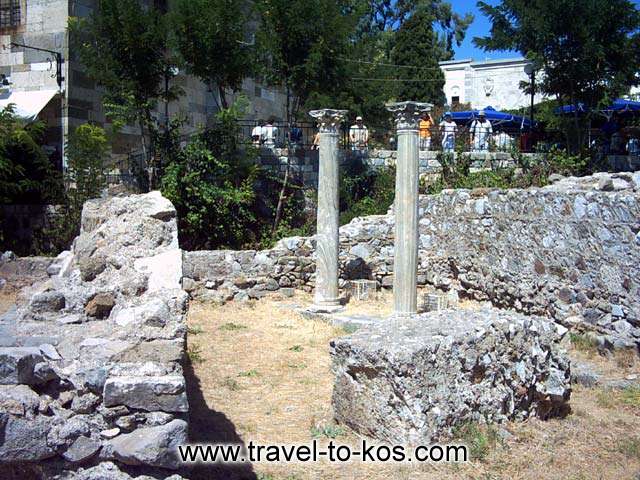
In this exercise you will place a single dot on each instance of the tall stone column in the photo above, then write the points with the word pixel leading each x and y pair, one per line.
pixel 326 297
pixel 405 265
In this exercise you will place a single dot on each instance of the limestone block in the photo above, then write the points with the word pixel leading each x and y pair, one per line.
pixel 152 393
pixel 413 380
pixel 155 446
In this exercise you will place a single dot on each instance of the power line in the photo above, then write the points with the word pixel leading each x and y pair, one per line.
pixel 397 79
pixel 382 64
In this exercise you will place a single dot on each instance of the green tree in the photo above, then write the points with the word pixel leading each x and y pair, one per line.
pixel 392 42
pixel 87 152
pixel 124 46
pixel 27 176
pixel 211 37
pixel 588 49
pixel 301 43
pixel 416 45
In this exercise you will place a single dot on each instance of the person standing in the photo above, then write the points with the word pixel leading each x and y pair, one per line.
pixel 295 136
pixel 270 133
pixel 448 129
pixel 256 133
pixel 481 131
pixel 425 126
pixel 359 136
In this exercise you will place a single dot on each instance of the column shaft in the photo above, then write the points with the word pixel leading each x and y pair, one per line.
pixel 405 266
pixel 326 293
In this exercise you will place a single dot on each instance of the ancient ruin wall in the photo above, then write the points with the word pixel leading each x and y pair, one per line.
pixel 570 251
pixel 90 364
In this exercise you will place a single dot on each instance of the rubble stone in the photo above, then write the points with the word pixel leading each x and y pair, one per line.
pixel 413 380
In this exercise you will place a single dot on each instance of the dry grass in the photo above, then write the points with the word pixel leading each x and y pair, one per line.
pixel 6 300
pixel 268 379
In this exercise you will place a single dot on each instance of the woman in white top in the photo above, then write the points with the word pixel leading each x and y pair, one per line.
pixel 270 133
pixel 448 129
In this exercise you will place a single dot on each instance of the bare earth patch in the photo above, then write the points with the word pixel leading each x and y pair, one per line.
pixel 7 299
pixel 261 372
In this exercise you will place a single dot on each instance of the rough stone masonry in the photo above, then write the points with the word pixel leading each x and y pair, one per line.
pixel 91 381
pixel 413 380
pixel 569 251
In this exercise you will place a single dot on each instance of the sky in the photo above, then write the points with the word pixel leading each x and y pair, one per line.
pixel 478 28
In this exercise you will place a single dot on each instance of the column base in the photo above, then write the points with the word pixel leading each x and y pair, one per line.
pixel 335 308
pixel 403 314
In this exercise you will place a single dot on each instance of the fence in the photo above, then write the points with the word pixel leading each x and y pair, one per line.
pixel 383 137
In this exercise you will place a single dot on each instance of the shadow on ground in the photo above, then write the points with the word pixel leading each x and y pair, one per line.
pixel 209 427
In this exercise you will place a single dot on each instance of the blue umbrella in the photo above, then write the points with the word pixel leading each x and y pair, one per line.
pixel 494 116
pixel 620 106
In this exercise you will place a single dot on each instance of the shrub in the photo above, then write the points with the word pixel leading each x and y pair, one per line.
pixel 223 198
pixel 87 150
pixel 27 176
pixel 364 191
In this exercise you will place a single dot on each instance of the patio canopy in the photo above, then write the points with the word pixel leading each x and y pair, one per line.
pixel 27 104
pixel 619 106
pixel 495 117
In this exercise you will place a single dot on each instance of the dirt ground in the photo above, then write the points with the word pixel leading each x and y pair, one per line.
pixel 261 372
pixel 7 299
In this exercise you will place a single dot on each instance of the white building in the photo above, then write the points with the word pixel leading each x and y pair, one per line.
pixel 494 83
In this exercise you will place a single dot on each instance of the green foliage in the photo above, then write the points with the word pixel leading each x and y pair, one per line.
pixel 27 176
pixel 87 152
pixel 583 343
pixel 327 431
pixel 211 37
pixel 231 327
pixel 590 61
pixel 194 352
pixel 223 198
pixel 211 183
pixel 297 348
pixel 631 396
pixel 300 43
pixel 393 42
pixel 364 191
pixel 480 439
pixel 416 43
pixel 124 47
pixel 456 172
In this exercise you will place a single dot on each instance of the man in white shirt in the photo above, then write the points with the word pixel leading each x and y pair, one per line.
pixel 270 133
pixel 359 136
pixel 503 141
pixel 256 133
pixel 448 129
pixel 481 131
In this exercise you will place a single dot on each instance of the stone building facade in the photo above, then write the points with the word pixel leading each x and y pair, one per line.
pixel 43 24
pixel 494 83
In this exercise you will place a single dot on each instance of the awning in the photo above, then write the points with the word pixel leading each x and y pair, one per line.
pixel 27 105
pixel 507 120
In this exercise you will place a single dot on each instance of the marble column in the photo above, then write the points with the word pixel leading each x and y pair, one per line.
pixel 326 298
pixel 405 264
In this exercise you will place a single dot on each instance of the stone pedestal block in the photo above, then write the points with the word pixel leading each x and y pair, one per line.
pixel 412 380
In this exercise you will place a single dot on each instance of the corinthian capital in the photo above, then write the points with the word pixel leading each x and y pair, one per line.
pixel 407 114
pixel 329 119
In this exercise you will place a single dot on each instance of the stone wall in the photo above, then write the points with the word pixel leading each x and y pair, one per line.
pixel 23 223
pixel 91 362
pixel 570 251
pixel 303 163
